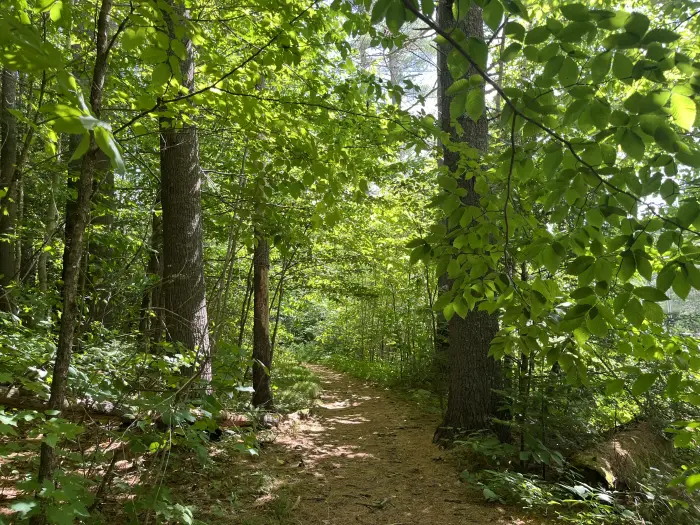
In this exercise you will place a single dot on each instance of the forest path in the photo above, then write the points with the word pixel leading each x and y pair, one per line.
pixel 364 457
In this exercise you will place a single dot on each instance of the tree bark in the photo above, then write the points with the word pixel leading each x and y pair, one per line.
pixel 8 160
pixel 473 374
pixel 151 323
pixel 262 349
pixel 74 248
pixel 183 287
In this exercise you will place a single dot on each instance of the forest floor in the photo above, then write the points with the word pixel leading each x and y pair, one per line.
pixel 364 456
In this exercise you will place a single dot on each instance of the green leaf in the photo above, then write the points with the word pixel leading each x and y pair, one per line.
pixel 663 36
pixel 517 8
pixel 82 148
pixel 681 285
pixel 673 384
pixel 628 266
pixel 476 104
pixel 575 31
pixel 537 35
pixel 666 277
pixel 479 51
pixel 457 105
pixel 600 66
pixel 643 383
pixel 614 386
pixel 457 64
pixel 379 10
pixel 515 31
pixel 108 145
pixel 637 24
pixel 460 9
pixel 692 482
pixel 649 293
pixel 395 16
pixel 493 14
pixel 634 312
pixel 653 312
pixel 427 7
pixel 580 264
pixel 510 52
pixel 551 259
pixel 160 74
pixel 568 74
pixel 683 110
pixel 596 324
pixel 632 144
pixel 457 87
pixel 622 66
pixel 575 12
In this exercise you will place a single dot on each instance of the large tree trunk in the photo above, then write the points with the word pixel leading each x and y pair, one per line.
pixel 262 349
pixel 8 211
pixel 473 374
pixel 73 250
pixel 183 288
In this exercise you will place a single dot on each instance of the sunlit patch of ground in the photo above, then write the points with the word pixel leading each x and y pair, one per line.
pixel 363 458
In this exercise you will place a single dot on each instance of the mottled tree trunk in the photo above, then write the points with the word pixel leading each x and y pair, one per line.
pixel 73 250
pixel 183 287
pixel 262 349
pixel 473 374
pixel 8 210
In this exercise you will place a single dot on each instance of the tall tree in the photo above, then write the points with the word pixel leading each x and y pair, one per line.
pixel 183 289
pixel 73 250
pixel 473 374
pixel 262 348
pixel 8 183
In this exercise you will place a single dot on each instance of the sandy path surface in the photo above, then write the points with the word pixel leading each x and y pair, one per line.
pixel 365 457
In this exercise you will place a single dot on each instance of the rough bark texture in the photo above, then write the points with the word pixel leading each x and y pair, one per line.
pixel 74 248
pixel 183 288
pixel 262 349
pixel 8 211
pixel 472 373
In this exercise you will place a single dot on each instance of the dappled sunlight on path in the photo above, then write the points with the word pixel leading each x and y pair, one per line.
pixel 366 457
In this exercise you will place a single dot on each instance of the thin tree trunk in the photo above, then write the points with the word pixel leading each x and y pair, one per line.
pixel 262 349
pixel 245 308
pixel 473 374
pixel 74 249
pixel 151 323
pixel 183 288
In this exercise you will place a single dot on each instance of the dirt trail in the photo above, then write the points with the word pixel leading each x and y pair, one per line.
pixel 367 458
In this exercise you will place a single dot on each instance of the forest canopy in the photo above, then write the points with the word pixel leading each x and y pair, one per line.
pixel 490 207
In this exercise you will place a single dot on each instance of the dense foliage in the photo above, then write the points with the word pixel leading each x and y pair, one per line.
pixel 160 157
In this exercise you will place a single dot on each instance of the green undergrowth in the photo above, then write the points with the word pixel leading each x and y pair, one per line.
pixel 564 494
pixel 416 388
pixel 295 387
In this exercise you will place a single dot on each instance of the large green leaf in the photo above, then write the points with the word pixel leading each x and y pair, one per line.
pixel 476 104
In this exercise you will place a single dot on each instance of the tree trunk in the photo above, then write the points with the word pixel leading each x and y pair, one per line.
pixel 74 248
pixel 262 350
pixel 473 374
pixel 101 226
pixel 8 160
pixel 151 323
pixel 183 288
pixel 245 308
